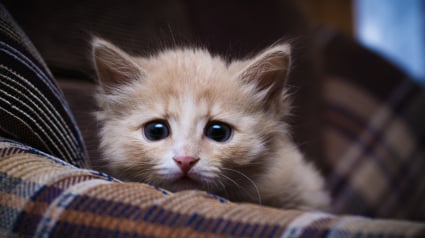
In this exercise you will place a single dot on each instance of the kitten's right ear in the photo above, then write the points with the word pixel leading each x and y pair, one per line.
pixel 268 72
pixel 113 66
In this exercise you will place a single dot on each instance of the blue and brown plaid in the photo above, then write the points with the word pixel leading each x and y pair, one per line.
pixel 374 134
pixel 42 196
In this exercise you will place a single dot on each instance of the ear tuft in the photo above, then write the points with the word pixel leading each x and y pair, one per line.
pixel 268 72
pixel 113 66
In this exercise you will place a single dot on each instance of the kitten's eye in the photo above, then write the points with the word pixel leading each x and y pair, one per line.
pixel 218 131
pixel 156 130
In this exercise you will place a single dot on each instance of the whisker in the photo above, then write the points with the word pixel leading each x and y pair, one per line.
pixel 231 180
pixel 238 185
pixel 207 183
pixel 218 184
pixel 224 188
pixel 250 180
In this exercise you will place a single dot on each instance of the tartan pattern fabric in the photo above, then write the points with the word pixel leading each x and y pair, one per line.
pixel 375 134
pixel 32 108
pixel 44 197
pixel 379 166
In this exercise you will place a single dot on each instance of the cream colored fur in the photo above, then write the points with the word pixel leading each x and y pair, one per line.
pixel 188 87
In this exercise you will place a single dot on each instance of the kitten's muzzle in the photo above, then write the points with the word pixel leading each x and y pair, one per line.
pixel 185 163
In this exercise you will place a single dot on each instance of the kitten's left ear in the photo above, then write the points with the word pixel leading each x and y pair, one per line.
pixel 268 72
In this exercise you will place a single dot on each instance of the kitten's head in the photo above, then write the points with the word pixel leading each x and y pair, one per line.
pixel 185 119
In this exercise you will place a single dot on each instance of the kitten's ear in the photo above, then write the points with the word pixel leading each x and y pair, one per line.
pixel 268 72
pixel 113 66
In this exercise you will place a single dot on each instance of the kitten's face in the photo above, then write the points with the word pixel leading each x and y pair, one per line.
pixel 184 119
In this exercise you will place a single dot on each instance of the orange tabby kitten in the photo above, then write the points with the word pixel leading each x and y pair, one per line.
pixel 183 119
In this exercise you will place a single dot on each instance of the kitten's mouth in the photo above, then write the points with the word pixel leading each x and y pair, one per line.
pixel 185 183
pixel 186 179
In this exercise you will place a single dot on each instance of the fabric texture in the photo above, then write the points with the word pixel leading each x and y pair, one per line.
pixel 375 135
pixel 42 196
pixel 32 108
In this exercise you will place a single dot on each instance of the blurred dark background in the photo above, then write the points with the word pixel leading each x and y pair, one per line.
pixel 391 28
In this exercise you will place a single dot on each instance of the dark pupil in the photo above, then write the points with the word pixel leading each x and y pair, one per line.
pixel 156 130
pixel 218 131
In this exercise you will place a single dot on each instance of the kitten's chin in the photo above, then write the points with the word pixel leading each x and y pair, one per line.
pixel 183 183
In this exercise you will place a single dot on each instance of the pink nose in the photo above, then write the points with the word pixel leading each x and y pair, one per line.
pixel 185 162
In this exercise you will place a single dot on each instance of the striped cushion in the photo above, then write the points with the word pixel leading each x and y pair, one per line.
pixel 32 108
pixel 57 199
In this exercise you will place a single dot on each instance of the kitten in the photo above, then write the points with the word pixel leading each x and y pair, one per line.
pixel 183 119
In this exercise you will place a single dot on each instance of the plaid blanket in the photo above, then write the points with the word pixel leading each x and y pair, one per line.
pixel 43 196
pixel 45 192
pixel 374 134
pixel 32 108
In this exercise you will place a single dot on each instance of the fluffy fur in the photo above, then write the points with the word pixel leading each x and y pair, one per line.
pixel 188 88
